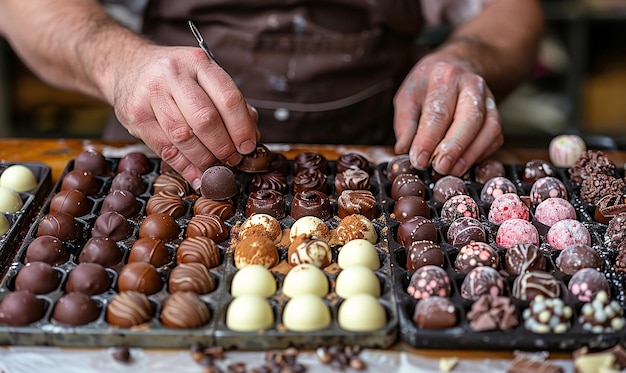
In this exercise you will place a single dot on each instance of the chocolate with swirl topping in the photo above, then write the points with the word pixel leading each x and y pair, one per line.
pixel 357 202
pixel 350 160
pixel 310 203
pixel 224 209
pixel 310 179
pixel 266 201
pixel 185 310
pixel 311 160
pixel 128 309
pixel 309 250
pixel 209 225
pixel 352 178
pixel 274 180
pixel 199 249
pixel 166 202
pixel 259 160
pixel 171 182
pixel 191 277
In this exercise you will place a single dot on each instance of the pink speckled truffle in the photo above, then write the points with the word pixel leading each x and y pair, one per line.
pixel 554 209
pixel 586 283
pixel 516 231
pixel 547 187
pixel 507 206
pixel 459 206
pixel 568 232
pixel 429 281
pixel 495 187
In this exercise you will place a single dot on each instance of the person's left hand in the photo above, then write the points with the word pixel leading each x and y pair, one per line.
pixel 445 115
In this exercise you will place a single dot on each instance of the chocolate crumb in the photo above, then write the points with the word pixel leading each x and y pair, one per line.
pixel 121 354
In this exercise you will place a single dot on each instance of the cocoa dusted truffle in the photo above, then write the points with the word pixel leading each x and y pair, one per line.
pixel 166 202
pixel 523 258
pixel 357 202
pixel 193 277
pixel 128 309
pixel 591 162
pixel 435 313
pixel 351 179
pixel 82 180
pixel 266 201
pixel 530 284
pixel 161 226
pixel 48 249
pixel 274 180
pixel 547 187
pixel 482 280
pixel 408 185
pixel 198 249
pixel 487 170
pixel 101 250
pixel 204 206
pixel 496 187
pixel 310 203
pixel 74 309
pixel 72 201
pixel 38 278
pixel 219 183
pixel 423 253
pixel 447 187
pixel 465 230
pixel 355 226
pixel 61 225
pixel 150 250
pixel 209 225
pixel 259 160
pixel 576 257
pixel 92 161
pixel 121 201
pixel 184 310
pixel 476 254
pixel 141 277
pixel 428 281
pixel 400 164
pixel 310 179
pixel 135 161
pixel 460 206
pixel 129 181
pixel 112 224
pixel 261 225
pixel 409 206
pixel 417 228
pixel 311 160
pixel 535 169
pixel 19 308
pixel 256 250
pixel 349 160
pixel 171 182
pixel 89 279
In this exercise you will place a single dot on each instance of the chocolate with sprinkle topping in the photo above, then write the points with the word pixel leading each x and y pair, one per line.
pixel 589 163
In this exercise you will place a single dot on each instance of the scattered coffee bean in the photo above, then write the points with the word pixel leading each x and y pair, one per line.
pixel 121 354
pixel 341 358
pixel 356 363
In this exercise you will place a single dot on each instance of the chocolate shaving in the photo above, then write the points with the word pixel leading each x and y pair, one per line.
pixel 492 313
pixel 527 363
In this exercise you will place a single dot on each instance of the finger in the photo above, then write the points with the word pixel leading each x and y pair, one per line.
pixel 407 107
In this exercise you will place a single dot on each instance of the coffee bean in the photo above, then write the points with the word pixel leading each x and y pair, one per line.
pixel 357 363
pixel 121 354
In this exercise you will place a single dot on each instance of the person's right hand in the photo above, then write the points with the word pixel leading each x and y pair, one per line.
pixel 184 107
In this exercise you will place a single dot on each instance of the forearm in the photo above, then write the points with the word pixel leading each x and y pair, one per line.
pixel 71 44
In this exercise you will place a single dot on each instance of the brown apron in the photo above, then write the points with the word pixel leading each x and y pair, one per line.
pixel 317 71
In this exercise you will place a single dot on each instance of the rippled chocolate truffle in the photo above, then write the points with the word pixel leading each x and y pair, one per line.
pixel 535 169
pixel 524 257
pixel 184 310
pixel 92 161
pixel 84 181
pixel 150 250
pixel 129 181
pixel 75 309
pixel 171 182
pixel 20 308
pixel 101 250
pixel 274 180
pixel 435 313
pixel 135 161
pixel 547 187
pixel 121 201
pixel 38 278
pixel 311 160
pixel 256 250
pixel 193 277
pixel 306 250
pixel 530 284
pixel 495 187
pixel 476 254
pixel 259 160
pixel 204 206
pixel 351 179
pixel 198 249
pixel 586 283
pixel 161 226
pixel 417 228
pixel 482 280
pixel 428 281
pixel 360 202
pixel 348 160
pixel 89 279
pixel 219 183
pixel 112 224
pixel 139 276
pixel 576 257
pixel 488 169
pixel 409 206
pixel 167 203
pixel 207 225
pixel 128 309
pixel 447 187
pixel 400 164
pixel 72 201
pixel 460 206
pixel 266 201
pixel 355 226
pixel 310 179
pixel 465 230
pixel 60 225
pixel 423 253
pixel 48 249
pixel 310 203
pixel 408 185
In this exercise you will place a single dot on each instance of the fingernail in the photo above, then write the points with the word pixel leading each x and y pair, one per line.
pixel 442 164
pixel 422 160
pixel 196 183
pixel 233 160
pixel 459 167
pixel 246 147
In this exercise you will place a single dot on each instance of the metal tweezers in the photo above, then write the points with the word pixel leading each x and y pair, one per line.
pixel 201 42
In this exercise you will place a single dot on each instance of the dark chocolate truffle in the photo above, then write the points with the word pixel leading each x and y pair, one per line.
pixel 423 253
pixel 586 283
pixel 351 179
pixel 311 160
pixel 204 206
pixel 409 206
pixel 20 308
pixel 460 206
pixel 482 280
pixel 135 161
pixel 171 182
pixel 268 180
pixel 408 185
pixel 84 181
pixel 141 277
pixel 200 249
pixel 310 179
pixel 128 309
pixel 161 226
pixel 48 249
pixel 428 281
pixel 184 310
pixel 476 254
pixel 447 187
pixel 435 313
pixel 357 202
pixel 349 160
pixel 193 277
pixel 400 164
pixel 576 257
pixel 71 201
pixel 166 202
pixel 495 187
pixel 530 284
pixel 61 225
pixel 615 233
pixel 219 183
pixel 208 225
pixel 112 224
pixel 488 169
pixel 101 250
pixel 92 161
pixel 266 201
pixel 150 250
pixel 524 257
pixel 38 278
pixel 129 181
pixel 121 201
pixel 535 169
pixel 547 187
pixel 465 230
pixel 75 309
pixel 417 228
pixel 310 203
pixel 259 160
pixel 591 162
pixel 89 279
pixel 279 163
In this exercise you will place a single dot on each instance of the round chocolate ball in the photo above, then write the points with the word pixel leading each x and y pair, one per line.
pixel 495 187
pixel 121 201
pixel 547 187
pixel 219 183
pixel 428 281
pixel 487 170
pixel 418 228
pixel 112 224
pixel 204 206
pixel 82 180
pixel 476 254
pixel 360 202
pixel 530 284
pixel 209 225
pixel 129 181
pixel 168 203
pixel 310 203
pixel 150 250
pixel 586 283
pixel 350 160
pixel 259 160
pixel 47 249
pixel 355 226
pixel 256 250
pixel 19 308
pixel 161 226
pixel 535 169
pixel 482 280
pixel 447 187
pixel 199 249
pixel 61 225
pixel 92 161
pixel 128 309
pixel 279 163
pixel 38 278
pixel 465 230
pixel 400 164
pixel 460 206
pixel 310 179
pixel 423 253
pixel 184 310
pixel 101 250
pixel 71 201
pixel 311 160
pixel 408 185
pixel 75 309
pixel 266 201
pixel 524 257
pixel 578 256
pixel 141 277
pixel 89 279
pixel 135 161
pixel 409 206
pixel 193 277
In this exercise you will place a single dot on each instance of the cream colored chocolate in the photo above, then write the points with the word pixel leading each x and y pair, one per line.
pixel 248 313
pixel 253 279
pixel 356 226
pixel 19 178
pixel 261 225
pixel 358 252
pixel 309 250
pixel 311 227
pixel 10 200
pixel 305 313
pixel 305 279
pixel 256 250
pixel 361 313
pixel 357 279
pixel 4 224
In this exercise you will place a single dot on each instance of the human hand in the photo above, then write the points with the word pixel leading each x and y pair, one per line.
pixel 445 115
pixel 184 107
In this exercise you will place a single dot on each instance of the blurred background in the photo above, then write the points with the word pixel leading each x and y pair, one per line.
pixel 578 86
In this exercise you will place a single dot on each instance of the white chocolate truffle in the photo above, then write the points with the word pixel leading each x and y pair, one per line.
pixel 19 178
pixel 361 313
pixel 10 200
pixel 253 279
pixel 4 224
pixel 356 226
pixel 358 252
pixel 309 250
pixel 564 150
pixel 357 280
pixel 305 313
pixel 311 227
pixel 263 225
pixel 305 279
pixel 249 313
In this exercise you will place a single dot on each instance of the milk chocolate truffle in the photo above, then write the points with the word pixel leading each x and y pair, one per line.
pixel 460 206
pixel 128 309
pixel 161 226
pixel 193 277
pixel 410 206
pixel 61 225
pixel 530 284
pixel 48 249
pixel 351 316
pixel 200 249
pixel 249 313
pixel 482 280
pixel 447 187
pixel 74 309
pixel 92 161
pixel 256 250
pixel 586 283
pixel 171 182
pixel 311 227
pixel 209 225
pixel 84 181
pixel 10 200
pixel 547 315
pixel 547 187
pixel 423 253
pixel 310 179
pixel 355 226
pixel 310 203
pixel 101 250
pixel 568 232
pixel 487 170
pixel 602 314
pixel 417 228
pixel 350 160
pixel 360 202
pixel 38 278
pixel 358 252
pixel 576 257
pixel 309 250
pixel 274 180
pixel 121 201
pixel 129 181
pixel 19 178
pixel 357 280
pixel 305 279
pixel 166 202
pixel 351 179
pixel 219 183
pixel 523 258
pixel 72 201
pixel 495 187
pixel 261 225
pixel 305 313
pixel 204 206
pixel 150 250
pixel 253 279
pixel 535 169
pixel 615 233
pixel 185 310
pixel 408 185
pixel 435 313
pixel 476 254
pixel 19 308
pixel 311 160
pixel 400 164
pixel 112 224
pixel 139 276
pixel 429 281
pixel 89 279
pixel 266 201
pixel 259 160
pixel 135 161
